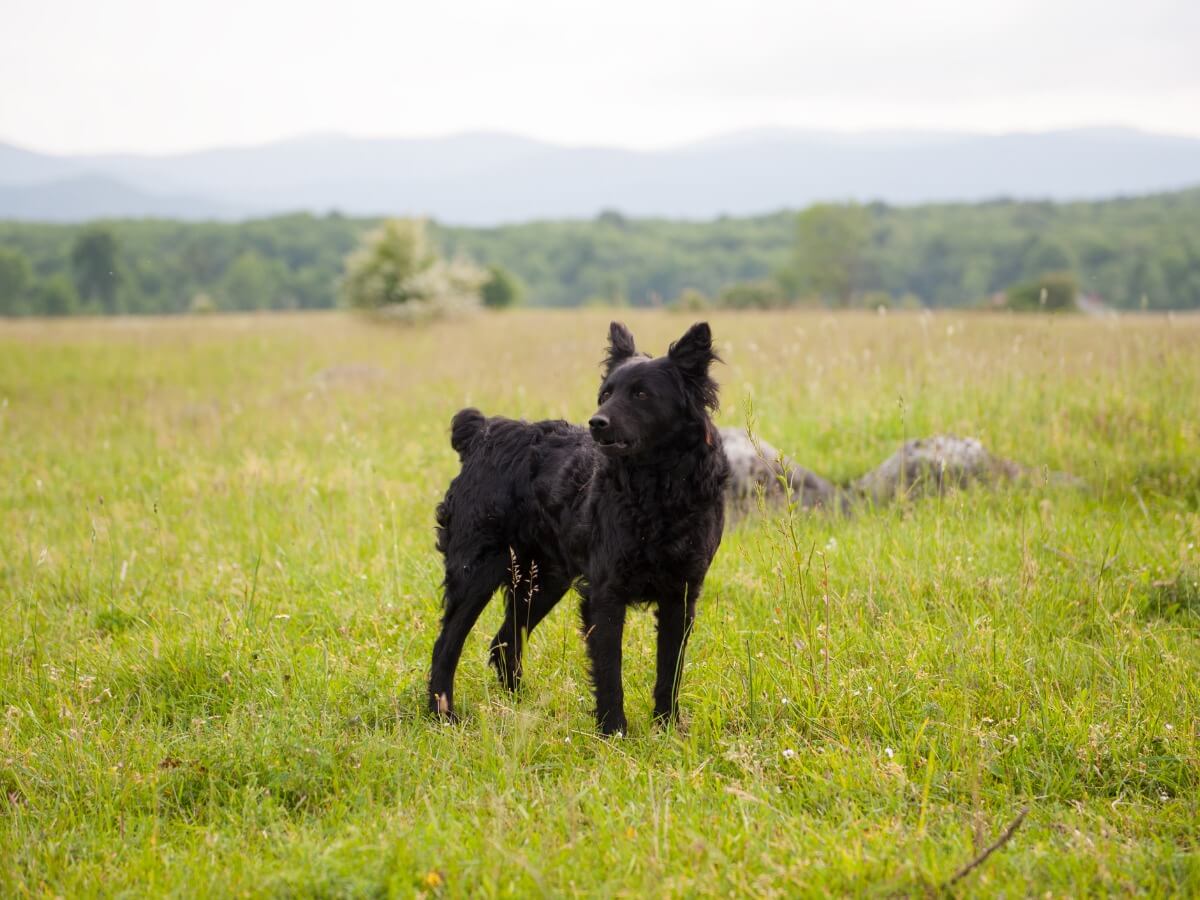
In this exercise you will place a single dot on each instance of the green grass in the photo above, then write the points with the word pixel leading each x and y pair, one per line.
pixel 218 593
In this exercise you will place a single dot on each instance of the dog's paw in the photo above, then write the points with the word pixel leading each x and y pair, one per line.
pixel 510 675
pixel 440 708
pixel 667 720
pixel 614 726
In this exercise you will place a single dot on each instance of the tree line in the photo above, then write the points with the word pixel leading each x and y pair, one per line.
pixel 1131 253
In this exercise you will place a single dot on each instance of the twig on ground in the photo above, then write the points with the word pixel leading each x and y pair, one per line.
pixel 990 849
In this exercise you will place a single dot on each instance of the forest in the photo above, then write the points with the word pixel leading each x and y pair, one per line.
pixel 1129 253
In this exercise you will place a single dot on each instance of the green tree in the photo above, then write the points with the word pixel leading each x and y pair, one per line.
pixel 502 289
pixel 1044 255
pixel 976 279
pixel 14 282
pixel 95 268
pixel 252 283
pixel 946 255
pixel 1147 288
pixel 829 253
pixel 55 296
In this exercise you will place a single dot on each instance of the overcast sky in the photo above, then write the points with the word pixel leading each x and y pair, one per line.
pixel 167 75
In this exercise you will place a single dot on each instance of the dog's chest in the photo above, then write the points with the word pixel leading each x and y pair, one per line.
pixel 654 544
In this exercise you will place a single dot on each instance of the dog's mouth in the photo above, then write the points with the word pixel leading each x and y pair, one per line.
pixel 613 447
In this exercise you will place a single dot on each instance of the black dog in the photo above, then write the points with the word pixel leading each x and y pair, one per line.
pixel 631 511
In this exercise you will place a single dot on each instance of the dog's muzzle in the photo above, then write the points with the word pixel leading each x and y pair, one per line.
pixel 606 440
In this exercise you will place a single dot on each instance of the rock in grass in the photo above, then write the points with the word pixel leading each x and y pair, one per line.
pixel 756 467
pixel 931 465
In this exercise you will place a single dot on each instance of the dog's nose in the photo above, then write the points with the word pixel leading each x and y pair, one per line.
pixel 598 423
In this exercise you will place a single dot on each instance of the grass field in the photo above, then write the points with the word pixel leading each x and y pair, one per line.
pixel 218 594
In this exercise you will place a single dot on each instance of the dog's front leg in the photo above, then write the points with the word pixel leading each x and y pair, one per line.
pixel 675 619
pixel 604 626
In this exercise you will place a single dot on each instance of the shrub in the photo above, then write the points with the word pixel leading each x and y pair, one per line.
pixel 752 295
pixel 1052 292
pixel 876 300
pixel 202 303
pixel 502 289
pixel 692 300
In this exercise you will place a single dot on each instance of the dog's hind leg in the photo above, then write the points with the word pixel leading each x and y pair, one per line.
pixel 675 620
pixel 469 587
pixel 528 602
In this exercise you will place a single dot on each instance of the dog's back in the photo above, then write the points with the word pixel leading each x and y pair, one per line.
pixel 517 479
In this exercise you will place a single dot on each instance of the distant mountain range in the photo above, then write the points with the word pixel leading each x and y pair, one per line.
pixel 486 178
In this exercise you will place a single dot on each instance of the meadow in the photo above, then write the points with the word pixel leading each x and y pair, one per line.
pixel 219 591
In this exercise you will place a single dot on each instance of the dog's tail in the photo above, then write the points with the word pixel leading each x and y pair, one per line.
pixel 465 429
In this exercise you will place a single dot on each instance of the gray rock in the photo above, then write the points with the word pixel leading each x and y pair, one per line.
pixel 755 467
pixel 931 465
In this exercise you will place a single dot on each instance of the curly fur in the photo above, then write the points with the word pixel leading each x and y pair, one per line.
pixel 628 511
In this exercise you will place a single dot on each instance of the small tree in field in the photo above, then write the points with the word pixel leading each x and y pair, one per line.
pixel 397 271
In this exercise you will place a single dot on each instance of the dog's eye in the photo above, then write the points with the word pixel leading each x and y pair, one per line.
pixel 641 395
pixel 604 396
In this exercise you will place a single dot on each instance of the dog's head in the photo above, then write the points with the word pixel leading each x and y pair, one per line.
pixel 647 404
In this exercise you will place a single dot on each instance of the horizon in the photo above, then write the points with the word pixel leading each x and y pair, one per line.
pixel 749 132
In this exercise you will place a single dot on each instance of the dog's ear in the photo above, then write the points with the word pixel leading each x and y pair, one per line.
pixel 620 346
pixel 693 354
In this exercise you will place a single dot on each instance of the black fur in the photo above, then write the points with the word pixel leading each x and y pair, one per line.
pixel 629 510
